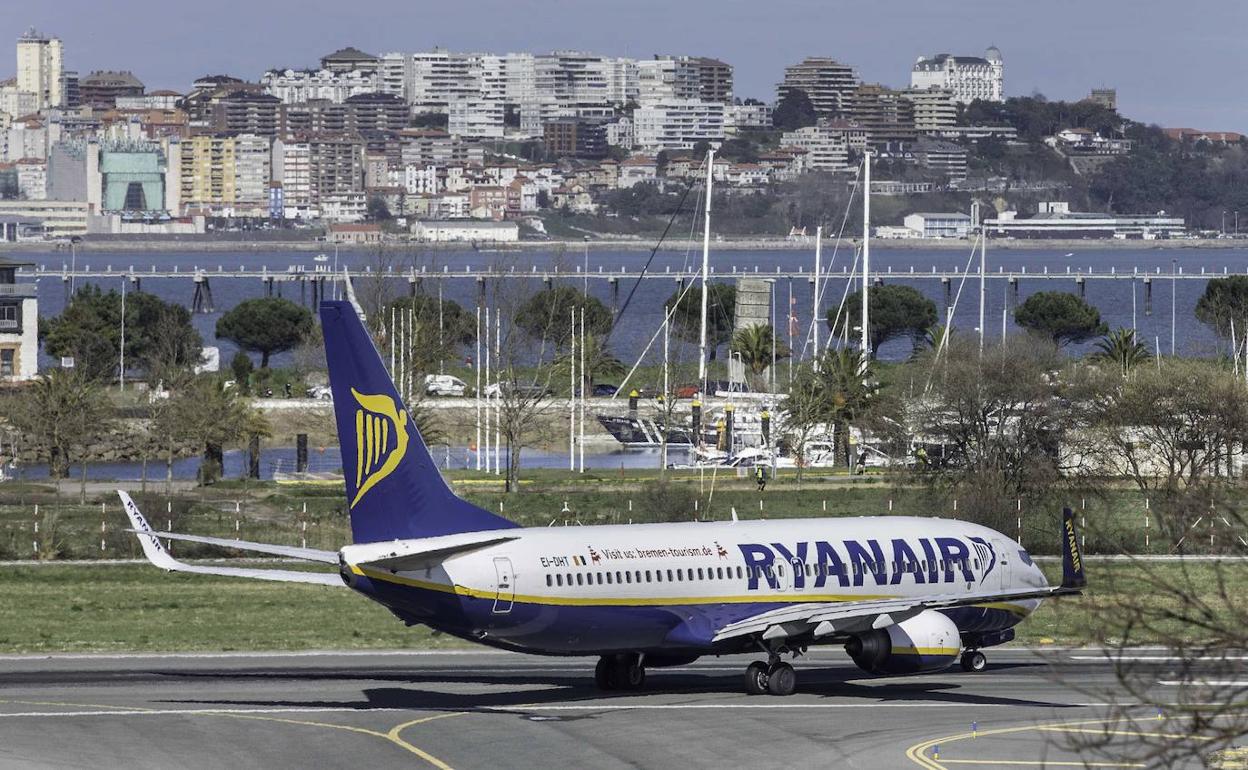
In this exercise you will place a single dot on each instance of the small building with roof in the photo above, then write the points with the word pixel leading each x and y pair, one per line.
pixel 19 324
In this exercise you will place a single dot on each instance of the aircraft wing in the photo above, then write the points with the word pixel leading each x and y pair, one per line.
pixel 290 551
pixel 823 618
pixel 157 555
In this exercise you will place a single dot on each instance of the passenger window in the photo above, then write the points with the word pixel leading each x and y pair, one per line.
pixel 638 575
pixel 669 576
pixel 780 569
pixel 658 576
pixel 608 578
pixel 740 574
pixel 559 579
pixel 628 577
pixel 647 576
pixel 719 573
pixel 599 578
pixel 618 578
pixel 700 577
pixel 549 580
pixel 579 579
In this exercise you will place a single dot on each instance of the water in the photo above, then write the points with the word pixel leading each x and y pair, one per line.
pixel 329 460
pixel 644 316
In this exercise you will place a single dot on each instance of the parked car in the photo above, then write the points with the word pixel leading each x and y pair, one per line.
pixel 604 390
pixel 444 385
pixel 321 393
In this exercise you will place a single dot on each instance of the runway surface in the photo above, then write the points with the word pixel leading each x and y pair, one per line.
pixel 496 710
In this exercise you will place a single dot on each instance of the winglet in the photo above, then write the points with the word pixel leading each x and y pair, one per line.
pixel 1072 559
pixel 152 549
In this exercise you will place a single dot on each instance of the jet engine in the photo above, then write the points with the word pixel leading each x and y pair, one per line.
pixel 928 641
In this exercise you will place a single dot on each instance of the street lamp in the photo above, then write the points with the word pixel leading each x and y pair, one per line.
pixel 1223 224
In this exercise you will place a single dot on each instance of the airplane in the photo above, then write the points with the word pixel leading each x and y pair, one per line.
pixel 902 594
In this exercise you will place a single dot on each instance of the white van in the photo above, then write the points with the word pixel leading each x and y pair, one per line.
pixel 444 385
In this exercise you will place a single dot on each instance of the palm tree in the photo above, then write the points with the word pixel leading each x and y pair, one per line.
pixel 934 337
pixel 754 344
pixel 838 392
pixel 1122 348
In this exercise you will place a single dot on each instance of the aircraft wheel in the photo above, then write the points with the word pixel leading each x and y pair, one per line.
pixel 974 661
pixel 781 680
pixel 626 674
pixel 756 678
pixel 602 674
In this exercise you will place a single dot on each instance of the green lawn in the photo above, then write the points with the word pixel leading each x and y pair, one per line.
pixel 116 608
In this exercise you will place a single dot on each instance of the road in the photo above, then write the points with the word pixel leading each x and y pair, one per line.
pixel 495 710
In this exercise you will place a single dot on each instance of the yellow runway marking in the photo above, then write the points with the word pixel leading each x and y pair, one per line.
pixel 918 752
pixel 393 735
pixel 1036 763
pixel 1133 733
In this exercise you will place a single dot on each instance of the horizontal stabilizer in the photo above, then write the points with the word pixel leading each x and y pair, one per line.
pixel 400 555
pixel 157 555
pixel 289 551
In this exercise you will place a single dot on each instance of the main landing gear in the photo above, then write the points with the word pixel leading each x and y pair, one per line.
pixel 625 671
pixel 773 677
pixel 974 661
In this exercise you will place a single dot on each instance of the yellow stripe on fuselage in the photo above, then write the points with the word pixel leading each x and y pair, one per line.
pixel 647 601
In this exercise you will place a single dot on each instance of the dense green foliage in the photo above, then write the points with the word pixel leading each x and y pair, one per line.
pixel 547 315
pixel 159 335
pixel 265 326
pixel 1060 316
pixel 896 311
pixel 721 313
pixel 794 111
pixel 1224 302
pixel 757 344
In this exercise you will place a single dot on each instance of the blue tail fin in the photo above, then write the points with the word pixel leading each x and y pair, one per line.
pixel 394 489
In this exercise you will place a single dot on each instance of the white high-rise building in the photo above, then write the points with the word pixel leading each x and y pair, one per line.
pixel 476 118
pixel 575 78
pixel 678 124
pixel 968 77
pixel 301 86
pixel 40 62
pixel 439 78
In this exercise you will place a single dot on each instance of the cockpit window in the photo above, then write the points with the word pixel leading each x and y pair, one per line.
pixel 1025 558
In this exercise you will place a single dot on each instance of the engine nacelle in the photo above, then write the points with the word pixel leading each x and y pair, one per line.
pixel 928 641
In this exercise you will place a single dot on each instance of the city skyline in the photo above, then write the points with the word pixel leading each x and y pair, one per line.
pixel 1161 77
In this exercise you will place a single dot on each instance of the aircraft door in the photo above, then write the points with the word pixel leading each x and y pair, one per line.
pixel 505 587
pixel 1005 550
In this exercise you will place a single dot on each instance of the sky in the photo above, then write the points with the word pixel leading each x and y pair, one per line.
pixel 1175 64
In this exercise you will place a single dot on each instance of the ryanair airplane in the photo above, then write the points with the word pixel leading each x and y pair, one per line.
pixel 902 595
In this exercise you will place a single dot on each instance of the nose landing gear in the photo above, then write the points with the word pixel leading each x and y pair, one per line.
pixel 974 661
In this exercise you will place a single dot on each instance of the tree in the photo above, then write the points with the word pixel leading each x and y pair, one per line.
pixel 840 391
pixel 598 360
pixel 1060 316
pixel 1223 304
pixel 896 311
pixel 60 413
pixel 265 326
pixel 430 334
pixel 721 312
pixel 377 210
pixel 240 364
pixel 756 344
pixel 1121 349
pixel 995 420
pixel 159 335
pixel 547 315
pixel 211 416
pixel 794 111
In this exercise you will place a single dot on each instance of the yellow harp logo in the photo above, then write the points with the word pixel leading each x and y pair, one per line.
pixel 376 420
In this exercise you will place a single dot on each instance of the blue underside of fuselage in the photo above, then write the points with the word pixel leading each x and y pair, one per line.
pixel 548 629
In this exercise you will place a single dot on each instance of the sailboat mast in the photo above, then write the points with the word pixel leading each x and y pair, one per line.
pixel 706 270
pixel 866 255
pixel 983 267
pixel 814 324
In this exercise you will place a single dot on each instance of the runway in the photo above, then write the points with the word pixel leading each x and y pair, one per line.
pixel 496 710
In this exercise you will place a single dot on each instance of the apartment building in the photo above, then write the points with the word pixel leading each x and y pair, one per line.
pixel 19 324
pixel 886 115
pixel 826 148
pixel 829 84
pixel 100 89
pixel 297 86
pixel 476 118
pixel 40 69
pixel 227 175
pixel 934 108
pixel 678 124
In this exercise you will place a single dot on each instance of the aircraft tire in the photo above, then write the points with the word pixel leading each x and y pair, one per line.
pixel 756 678
pixel 782 680
pixel 974 661
pixel 602 674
